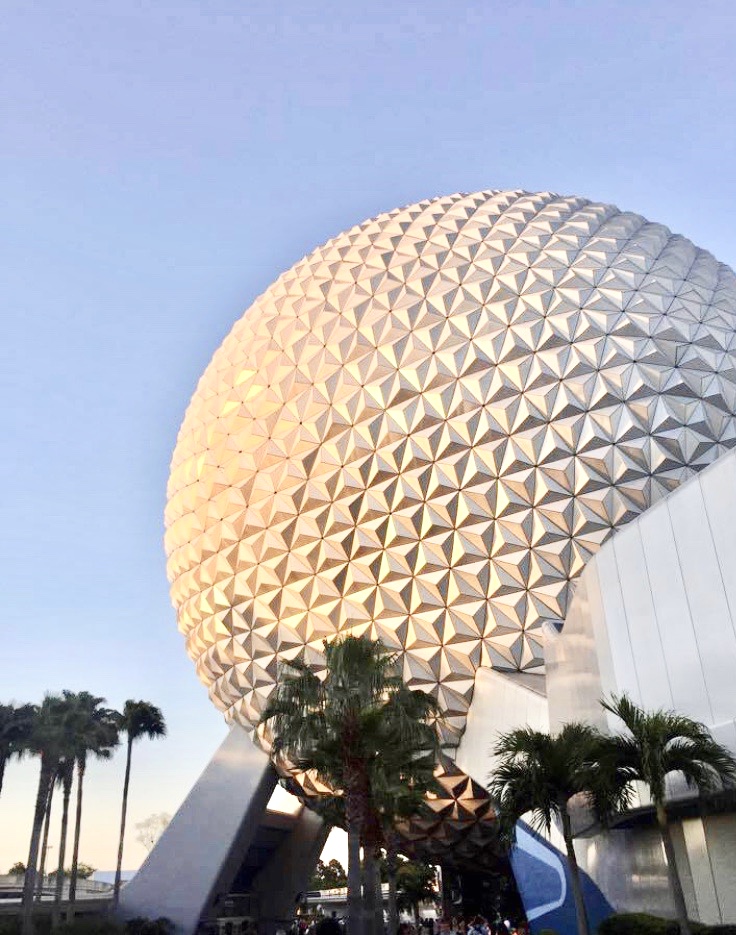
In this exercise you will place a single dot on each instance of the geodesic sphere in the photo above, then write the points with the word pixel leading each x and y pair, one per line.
pixel 425 428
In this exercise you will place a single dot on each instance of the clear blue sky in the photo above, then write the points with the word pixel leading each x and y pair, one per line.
pixel 163 162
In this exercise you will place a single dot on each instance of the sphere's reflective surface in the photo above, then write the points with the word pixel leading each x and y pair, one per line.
pixel 424 429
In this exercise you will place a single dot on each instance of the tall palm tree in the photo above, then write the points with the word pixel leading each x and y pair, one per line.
pixel 403 776
pixel 96 734
pixel 400 778
pixel 539 773
pixel 66 777
pixel 399 804
pixel 45 839
pixel 45 741
pixel 339 727
pixel 138 719
pixel 73 717
pixel 15 727
pixel 656 744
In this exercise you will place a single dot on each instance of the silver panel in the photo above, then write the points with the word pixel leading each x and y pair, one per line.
pixel 707 599
pixel 641 617
pixel 718 485
pixel 616 626
pixel 685 678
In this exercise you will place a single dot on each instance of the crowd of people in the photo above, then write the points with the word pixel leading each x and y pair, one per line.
pixel 476 925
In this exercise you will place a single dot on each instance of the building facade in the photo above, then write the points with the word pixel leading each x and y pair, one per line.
pixel 426 431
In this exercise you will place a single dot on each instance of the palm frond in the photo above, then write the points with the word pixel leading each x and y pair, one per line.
pixel 661 742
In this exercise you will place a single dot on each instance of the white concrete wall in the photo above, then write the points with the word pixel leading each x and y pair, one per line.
pixel 654 614
pixel 501 702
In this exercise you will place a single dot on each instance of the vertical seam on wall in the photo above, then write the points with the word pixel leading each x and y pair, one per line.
pixel 710 865
pixel 690 610
pixel 654 608
pixel 626 619
pixel 718 558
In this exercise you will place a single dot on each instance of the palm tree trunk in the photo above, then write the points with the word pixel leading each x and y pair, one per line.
pixel 392 866
pixel 674 877
pixel 2 771
pixel 354 922
pixel 417 919
pixel 119 868
pixel 446 892
pixel 379 898
pixel 577 887
pixel 45 844
pixel 75 848
pixel 67 789
pixel 29 882
pixel 354 895
pixel 369 891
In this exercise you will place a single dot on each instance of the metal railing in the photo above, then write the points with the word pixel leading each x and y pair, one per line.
pixel 11 888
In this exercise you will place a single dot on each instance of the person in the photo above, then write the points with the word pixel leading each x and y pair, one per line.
pixel 329 925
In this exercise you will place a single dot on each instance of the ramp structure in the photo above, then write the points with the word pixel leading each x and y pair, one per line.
pixel 224 854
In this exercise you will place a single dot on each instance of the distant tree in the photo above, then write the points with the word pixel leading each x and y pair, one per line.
pixel 96 734
pixel 18 869
pixel 84 728
pixel 328 876
pixel 16 722
pixel 151 828
pixel 416 883
pixel 84 872
pixel 45 838
pixel 45 740
pixel 66 777
pixel 138 719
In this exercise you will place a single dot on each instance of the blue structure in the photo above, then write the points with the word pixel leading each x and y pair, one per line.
pixel 542 875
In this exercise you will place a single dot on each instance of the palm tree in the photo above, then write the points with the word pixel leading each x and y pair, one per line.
pixel 402 778
pixel 65 778
pixel 44 740
pixel 416 883
pixel 45 839
pixel 659 743
pixel 70 741
pixel 540 773
pixel 340 727
pixel 96 734
pixel 401 805
pixel 15 727
pixel 139 719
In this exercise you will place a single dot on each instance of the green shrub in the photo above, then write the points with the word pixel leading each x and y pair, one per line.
pixel 641 923
pixel 90 925
pixel 160 926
